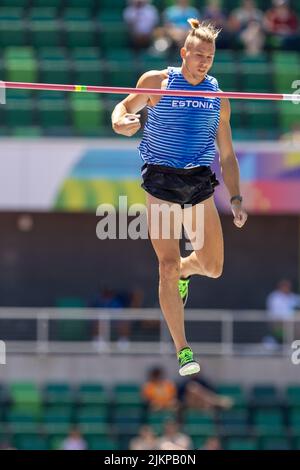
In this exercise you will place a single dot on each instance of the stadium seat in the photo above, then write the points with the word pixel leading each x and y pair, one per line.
pixel 48 3
pixel 90 393
pixel 31 442
pixel 127 394
pixel 11 13
pixel 271 443
pixel 53 115
pixel 25 396
pixel 58 393
pixel 80 33
pixel 268 422
pixel 288 116
pixel 157 419
pixel 101 443
pixel 87 115
pixel 12 33
pixel 45 33
pixel 113 35
pixel 233 390
pixel 43 14
pixel 264 395
pixel 235 443
pixel 292 395
pixel 58 415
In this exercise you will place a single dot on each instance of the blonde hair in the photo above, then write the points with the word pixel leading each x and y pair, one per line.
pixel 201 30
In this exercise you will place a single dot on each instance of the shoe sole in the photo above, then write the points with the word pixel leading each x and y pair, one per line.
pixel 190 368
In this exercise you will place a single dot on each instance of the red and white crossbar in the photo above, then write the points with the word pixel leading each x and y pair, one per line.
pixel 149 91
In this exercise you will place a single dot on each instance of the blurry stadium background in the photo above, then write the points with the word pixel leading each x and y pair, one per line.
pixel 80 316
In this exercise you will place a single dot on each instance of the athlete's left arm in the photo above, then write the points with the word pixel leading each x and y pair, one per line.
pixel 229 164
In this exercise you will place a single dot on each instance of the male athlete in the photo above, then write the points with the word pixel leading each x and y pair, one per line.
pixel 178 148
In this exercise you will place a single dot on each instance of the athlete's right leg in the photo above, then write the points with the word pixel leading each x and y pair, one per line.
pixel 166 246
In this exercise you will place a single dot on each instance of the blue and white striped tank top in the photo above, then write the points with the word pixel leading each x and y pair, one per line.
pixel 181 131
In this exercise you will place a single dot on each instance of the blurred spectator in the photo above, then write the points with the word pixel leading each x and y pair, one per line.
pixel 159 392
pixel 214 14
pixel 282 23
pixel 145 440
pixel 240 18
pixel 141 19
pixel 253 38
pixel 172 435
pixel 212 443
pixel 281 305
pixel 106 298
pixel 197 393
pixel 175 26
pixel 293 136
pixel 282 302
pixel 74 441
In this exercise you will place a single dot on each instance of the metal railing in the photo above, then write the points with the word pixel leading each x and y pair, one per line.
pixel 101 331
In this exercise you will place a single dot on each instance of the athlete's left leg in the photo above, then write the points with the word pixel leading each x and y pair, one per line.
pixel 206 260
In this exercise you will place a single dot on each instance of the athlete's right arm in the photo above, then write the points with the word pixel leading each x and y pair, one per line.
pixel 125 119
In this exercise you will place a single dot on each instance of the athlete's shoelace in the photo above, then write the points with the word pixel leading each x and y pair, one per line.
pixel 185 355
pixel 183 287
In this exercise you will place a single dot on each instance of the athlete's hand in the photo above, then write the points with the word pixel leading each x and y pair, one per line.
pixel 128 125
pixel 239 214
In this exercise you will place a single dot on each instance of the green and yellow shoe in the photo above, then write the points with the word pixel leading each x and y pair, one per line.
pixel 187 365
pixel 183 287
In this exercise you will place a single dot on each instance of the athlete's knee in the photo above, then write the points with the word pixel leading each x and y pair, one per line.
pixel 169 268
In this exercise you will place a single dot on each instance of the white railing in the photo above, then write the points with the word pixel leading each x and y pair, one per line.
pixel 216 332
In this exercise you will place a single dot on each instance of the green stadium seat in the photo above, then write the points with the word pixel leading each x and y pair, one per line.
pixel 78 3
pixel 26 131
pixel 15 3
pixel 292 395
pixel 264 395
pixel 31 442
pixel 289 116
pixel 45 33
pixel 25 395
pixel 99 442
pixel 294 420
pixel 113 36
pixel 127 420
pixel 157 419
pixel 198 422
pixel 11 13
pixel 80 33
pixel 77 14
pixel 48 3
pixel 19 112
pixel 261 116
pixel 224 57
pixel 93 394
pixel 87 114
pixel 89 72
pixel 43 14
pixel 58 393
pixel 232 390
pixel 271 443
pixel 55 71
pixel 227 76
pixel 109 16
pixel 58 415
pixel 127 394
pixel 92 414
pixel 235 443
pixel 106 5
pixel 268 422
pixel 53 115
pixel 234 422
pixel 12 33
pixel 55 441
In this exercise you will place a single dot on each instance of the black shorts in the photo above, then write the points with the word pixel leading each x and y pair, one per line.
pixel 179 185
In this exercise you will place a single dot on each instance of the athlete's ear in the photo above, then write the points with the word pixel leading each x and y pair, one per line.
pixel 183 52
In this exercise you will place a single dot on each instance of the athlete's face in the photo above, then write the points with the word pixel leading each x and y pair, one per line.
pixel 198 58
